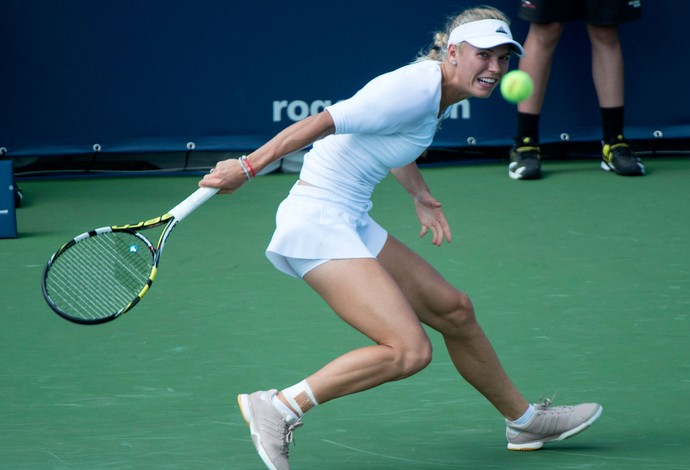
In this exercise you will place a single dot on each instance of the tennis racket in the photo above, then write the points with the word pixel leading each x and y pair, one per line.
pixel 101 274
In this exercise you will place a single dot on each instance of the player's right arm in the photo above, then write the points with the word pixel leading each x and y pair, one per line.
pixel 228 174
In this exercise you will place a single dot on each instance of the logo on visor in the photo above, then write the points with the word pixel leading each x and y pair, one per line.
pixel 501 30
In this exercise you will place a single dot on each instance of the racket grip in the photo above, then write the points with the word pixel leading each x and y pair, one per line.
pixel 190 204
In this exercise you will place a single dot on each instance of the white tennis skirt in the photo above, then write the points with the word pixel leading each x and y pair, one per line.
pixel 316 224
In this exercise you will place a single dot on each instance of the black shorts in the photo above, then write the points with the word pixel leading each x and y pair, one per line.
pixel 594 12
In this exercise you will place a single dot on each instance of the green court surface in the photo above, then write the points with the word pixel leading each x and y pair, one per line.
pixel 581 280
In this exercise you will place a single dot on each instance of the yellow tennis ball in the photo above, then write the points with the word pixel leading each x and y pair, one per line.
pixel 516 86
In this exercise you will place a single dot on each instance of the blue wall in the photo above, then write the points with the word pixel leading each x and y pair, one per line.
pixel 138 75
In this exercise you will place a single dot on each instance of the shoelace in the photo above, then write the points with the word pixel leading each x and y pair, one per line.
pixel 289 437
pixel 544 403
pixel 526 154
pixel 622 149
pixel 619 146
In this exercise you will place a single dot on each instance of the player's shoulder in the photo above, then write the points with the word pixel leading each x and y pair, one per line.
pixel 422 73
pixel 422 79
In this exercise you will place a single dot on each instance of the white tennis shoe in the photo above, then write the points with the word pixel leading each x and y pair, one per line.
pixel 271 434
pixel 551 424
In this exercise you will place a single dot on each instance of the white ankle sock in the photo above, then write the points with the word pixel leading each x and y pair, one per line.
pixel 300 392
pixel 524 419
pixel 284 410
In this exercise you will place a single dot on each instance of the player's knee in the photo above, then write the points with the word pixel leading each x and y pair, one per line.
pixel 413 357
pixel 460 317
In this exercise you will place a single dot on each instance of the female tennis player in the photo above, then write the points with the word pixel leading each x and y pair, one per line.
pixel 370 279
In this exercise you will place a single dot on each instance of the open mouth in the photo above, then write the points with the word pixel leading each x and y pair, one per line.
pixel 487 81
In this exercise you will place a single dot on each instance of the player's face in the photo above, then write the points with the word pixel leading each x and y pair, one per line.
pixel 482 69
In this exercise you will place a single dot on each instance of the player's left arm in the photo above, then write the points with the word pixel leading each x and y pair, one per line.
pixel 428 207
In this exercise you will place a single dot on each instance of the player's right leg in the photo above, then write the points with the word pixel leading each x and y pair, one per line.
pixel 366 297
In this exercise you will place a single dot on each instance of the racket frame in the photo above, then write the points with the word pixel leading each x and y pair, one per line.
pixel 171 218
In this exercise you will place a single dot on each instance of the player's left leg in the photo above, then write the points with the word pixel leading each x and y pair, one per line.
pixel 449 311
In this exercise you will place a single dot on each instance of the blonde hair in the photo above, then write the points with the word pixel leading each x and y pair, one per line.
pixel 439 47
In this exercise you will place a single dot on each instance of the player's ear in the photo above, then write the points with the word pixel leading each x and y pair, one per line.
pixel 453 52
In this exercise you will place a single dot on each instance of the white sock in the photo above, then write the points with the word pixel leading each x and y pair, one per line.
pixel 298 393
pixel 283 409
pixel 524 419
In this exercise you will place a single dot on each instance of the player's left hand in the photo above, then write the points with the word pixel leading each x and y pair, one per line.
pixel 431 217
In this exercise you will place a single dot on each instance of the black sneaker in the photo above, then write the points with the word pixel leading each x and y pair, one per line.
pixel 524 161
pixel 617 156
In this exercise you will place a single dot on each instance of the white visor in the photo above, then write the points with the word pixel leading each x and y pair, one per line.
pixel 485 34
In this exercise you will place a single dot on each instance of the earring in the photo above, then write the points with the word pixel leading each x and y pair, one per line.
pixel 454 62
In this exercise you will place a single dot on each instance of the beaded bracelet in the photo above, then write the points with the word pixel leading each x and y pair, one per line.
pixel 245 169
pixel 249 165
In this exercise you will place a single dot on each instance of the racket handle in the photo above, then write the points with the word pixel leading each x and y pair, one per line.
pixel 190 204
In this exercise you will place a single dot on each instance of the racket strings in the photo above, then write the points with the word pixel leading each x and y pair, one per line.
pixel 100 275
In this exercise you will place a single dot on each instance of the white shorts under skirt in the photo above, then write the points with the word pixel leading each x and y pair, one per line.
pixel 314 225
